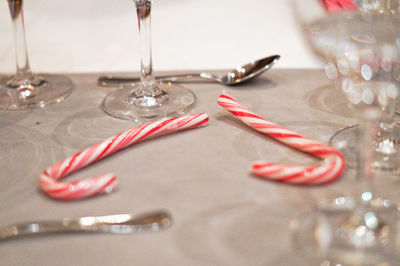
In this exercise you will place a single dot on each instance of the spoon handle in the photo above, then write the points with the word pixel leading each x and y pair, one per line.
pixel 111 81
pixel 118 224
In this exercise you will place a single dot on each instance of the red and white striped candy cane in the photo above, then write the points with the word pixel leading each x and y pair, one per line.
pixel 50 179
pixel 333 162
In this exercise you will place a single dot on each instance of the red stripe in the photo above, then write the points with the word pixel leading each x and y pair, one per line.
pixel 160 125
pixel 85 158
pixel 131 135
pixel 268 173
pixel 230 106
pixel 205 120
pixel 66 186
pixel 70 162
pixel 316 178
pixel 46 182
pixel 244 114
pixel 282 136
pixel 264 125
pixel 78 193
pixel 226 97
pixel 106 148
pixel 56 168
pixel 96 192
pixel 294 175
pixel 261 165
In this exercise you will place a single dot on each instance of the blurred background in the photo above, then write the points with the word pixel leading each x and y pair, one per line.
pixel 102 36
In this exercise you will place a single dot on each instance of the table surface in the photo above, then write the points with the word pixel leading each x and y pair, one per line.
pixel 222 214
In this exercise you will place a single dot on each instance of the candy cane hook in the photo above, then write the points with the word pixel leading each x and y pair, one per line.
pixel 333 162
pixel 50 179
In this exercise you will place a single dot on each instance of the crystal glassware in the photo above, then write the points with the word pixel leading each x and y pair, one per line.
pixel 362 50
pixel 25 90
pixel 147 99
pixel 342 62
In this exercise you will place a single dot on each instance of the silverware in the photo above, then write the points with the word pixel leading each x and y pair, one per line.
pixel 117 224
pixel 238 75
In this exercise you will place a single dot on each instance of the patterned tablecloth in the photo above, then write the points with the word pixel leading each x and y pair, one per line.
pixel 222 215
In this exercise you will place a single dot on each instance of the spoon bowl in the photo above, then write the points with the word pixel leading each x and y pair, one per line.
pixel 248 71
pixel 233 77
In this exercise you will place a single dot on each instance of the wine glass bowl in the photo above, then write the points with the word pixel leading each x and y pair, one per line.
pixel 147 99
pixel 360 50
pixel 362 57
pixel 26 90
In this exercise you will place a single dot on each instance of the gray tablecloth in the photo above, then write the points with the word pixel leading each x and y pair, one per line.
pixel 222 214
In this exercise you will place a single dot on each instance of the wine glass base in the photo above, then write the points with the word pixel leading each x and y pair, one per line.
pixel 343 232
pixel 52 89
pixel 175 100
pixel 387 157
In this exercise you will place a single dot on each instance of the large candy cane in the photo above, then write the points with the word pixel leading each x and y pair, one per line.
pixel 333 162
pixel 50 179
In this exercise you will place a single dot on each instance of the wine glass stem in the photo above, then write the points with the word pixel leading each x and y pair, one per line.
pixel 24 72
pixel 143 9
pixel 366 156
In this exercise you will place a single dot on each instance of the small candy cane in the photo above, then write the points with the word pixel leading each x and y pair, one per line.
pixel 333 162
pixel 339 5
pixel 49 181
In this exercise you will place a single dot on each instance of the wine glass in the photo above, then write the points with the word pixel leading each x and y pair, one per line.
pixel 147 99
pixel 25 90
pixel 362 49
pixel 387 140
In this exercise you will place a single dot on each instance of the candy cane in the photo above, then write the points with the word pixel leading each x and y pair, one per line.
pixel 339 5
pixel 49 180
pixel 333 162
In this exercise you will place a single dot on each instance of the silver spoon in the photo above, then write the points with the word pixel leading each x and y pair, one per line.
pixel 118 224
pixel 233 77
